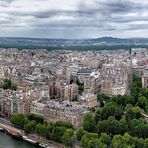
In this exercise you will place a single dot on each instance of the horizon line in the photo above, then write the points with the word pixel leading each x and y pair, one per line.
pixel 73 38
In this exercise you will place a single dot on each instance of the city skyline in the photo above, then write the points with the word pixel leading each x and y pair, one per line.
pixel 73 19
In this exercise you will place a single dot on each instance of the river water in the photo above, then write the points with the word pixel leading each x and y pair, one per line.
pixel 7 141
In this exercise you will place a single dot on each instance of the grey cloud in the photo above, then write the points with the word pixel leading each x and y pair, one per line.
pixel 136 27
pixel 105 9
pixel 103 15
pixel 120 6
pixel 6 3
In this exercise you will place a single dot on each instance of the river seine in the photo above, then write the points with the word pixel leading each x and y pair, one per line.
pixel 7 141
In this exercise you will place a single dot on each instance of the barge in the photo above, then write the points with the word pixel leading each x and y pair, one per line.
pixel 14 135
pixel 2 130
pixel 25 138
pixel 43 145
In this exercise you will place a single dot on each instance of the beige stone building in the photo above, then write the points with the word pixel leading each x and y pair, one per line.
pixel 70 91
pixel 110 88
pixel 89 100
pixel 37 107
pixel 65 111
pixel 83 73
pixel 145 78
pixel 1 72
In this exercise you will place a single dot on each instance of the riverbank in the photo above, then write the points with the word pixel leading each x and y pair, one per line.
pixel 17 133
pixel 7 141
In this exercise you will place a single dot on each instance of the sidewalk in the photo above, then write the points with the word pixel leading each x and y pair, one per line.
pixel 11 129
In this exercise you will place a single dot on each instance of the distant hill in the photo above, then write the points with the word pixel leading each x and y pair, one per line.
pixel 81 44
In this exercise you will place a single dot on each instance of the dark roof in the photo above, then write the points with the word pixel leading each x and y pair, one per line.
pixel 85 70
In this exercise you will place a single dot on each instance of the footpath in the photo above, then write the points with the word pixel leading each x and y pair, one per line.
pixel 11 129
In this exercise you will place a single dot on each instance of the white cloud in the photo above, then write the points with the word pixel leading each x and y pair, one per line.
pixel 73 18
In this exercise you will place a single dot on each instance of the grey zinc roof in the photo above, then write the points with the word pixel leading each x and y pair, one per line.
pixel 85 70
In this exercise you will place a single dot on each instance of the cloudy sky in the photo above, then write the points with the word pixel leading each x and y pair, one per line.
pixel 74 18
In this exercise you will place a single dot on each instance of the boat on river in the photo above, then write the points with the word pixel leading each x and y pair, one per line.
pixel 13 134
pixel 2 130
pixel 43 145
pixel 25 138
